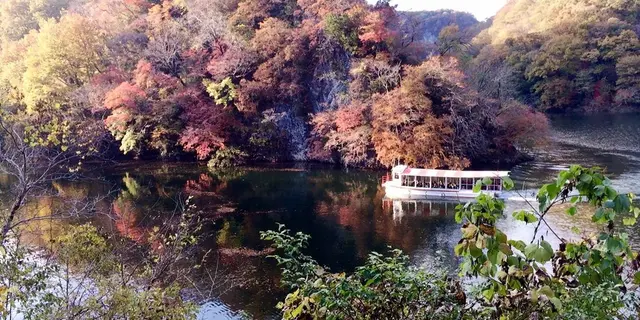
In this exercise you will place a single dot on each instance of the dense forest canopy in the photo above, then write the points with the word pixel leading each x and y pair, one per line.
pixel 255 80
pixel 563 55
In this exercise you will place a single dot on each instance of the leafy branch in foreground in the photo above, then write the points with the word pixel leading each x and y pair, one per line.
pixel 518 282
pixel 591 278
pixel 384 288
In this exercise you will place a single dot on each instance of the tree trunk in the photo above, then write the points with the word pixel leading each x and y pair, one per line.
pixel 12 214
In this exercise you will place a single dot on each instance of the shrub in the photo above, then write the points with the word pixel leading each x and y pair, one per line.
pixel 226 158
pixel 386 287
pixel 516 280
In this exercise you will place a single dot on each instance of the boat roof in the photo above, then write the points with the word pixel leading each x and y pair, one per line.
pixel 453 173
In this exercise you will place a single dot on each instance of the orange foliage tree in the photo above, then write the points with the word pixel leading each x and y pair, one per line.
pixel 412 124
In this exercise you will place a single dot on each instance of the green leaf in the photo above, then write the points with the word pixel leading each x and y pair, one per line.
pixel 486 181
pixel 500 236
pixel 556 303
pixel 507 183
pixel 518 244
pixel 599 191
pixel 458 216
pixel 622 203
pixel 477 187
pixel 297 311
pixel 599 215
pixel 629 221
pixel 492 255
pixel 546 291
pixel 636 277
pixel 614 245
pixel 547 252
pixel 459 249
pixel 474 250
pixel 488 294
pixel 572 211
pixel 506 249
pixel 541 253
pixel 530 251
pixel 534 296
pixel 611 192
pixel 525 216
pixel 552 191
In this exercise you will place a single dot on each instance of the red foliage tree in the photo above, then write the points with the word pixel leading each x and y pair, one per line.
pixel 379 28
pixel 208 126
pixel 522 127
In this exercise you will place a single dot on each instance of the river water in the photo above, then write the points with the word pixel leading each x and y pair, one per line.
pixel 343 210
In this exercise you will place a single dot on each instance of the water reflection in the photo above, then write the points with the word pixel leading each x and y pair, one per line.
pixel 345 212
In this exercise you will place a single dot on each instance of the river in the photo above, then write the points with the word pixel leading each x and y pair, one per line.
pixel 343 210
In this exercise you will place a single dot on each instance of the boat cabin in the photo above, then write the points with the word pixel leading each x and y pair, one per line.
pixel 445 180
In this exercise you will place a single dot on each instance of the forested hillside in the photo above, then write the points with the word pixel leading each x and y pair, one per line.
pixel 563 55
pixel 432 22
pixel 230 81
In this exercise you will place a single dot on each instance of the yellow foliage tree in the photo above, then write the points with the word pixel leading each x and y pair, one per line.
pixel 64 56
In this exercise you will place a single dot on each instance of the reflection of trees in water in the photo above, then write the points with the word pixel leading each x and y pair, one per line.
pixel 212 183
pixel 201 186
pixel 350 208
pixel 41 232
pixel 127 211
pixel 46 217
pixel 422 228
pixel 126 220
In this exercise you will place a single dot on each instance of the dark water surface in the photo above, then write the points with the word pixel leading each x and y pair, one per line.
pixel 344 211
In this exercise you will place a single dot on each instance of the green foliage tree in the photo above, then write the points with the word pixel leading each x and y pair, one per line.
pixel 628 83
pixel 223 93
pixel 450 41
pixel 343 29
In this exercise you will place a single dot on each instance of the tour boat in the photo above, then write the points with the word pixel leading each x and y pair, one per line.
pixel 412 183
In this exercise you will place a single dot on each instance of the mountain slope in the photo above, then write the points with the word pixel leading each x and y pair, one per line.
pixel 568 54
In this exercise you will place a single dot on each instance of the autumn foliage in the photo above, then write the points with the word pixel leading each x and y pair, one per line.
pixel 340 81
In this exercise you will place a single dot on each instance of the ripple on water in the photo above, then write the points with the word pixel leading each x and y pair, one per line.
pixel 216 309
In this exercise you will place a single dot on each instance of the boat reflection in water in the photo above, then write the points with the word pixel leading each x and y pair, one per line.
pixel 402 209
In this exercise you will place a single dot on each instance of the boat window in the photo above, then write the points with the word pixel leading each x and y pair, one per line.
pixel 466 183
pixel 396 176
pixel 495 184
pixel 438 183
pixel 420 182
pixel 483 186
pixel 409 181
pixel 453 183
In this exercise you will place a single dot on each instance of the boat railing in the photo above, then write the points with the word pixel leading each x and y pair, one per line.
pixel 385 178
